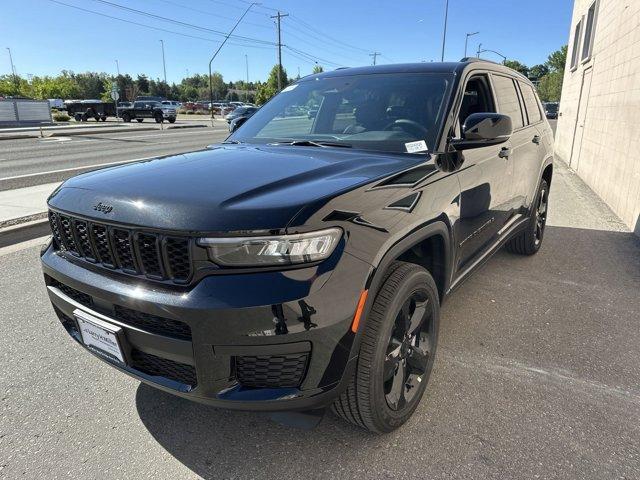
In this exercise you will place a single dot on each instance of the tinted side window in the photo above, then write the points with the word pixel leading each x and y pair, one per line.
pixel 138 105
pixel 508 102
pixel 531 103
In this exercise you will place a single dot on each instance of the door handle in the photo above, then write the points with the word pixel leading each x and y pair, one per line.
pixel 536 139
pixel 504 152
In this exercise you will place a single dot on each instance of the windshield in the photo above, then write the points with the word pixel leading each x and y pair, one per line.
pixel 377 111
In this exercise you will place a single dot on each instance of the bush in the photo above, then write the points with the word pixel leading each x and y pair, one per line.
pixel 190 112
pixel 61 117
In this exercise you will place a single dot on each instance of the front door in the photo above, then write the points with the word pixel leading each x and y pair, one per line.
pixel 485 177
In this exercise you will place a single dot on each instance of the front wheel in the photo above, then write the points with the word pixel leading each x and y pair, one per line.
pixel 397 351
pixel 140 120
pixel 172 119
pixel 528 241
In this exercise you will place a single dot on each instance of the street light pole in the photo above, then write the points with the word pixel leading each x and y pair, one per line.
pixel 216 53
pixel 13 70
pixel 466 41
pixel 246 92
pixel 117 67
pixel 164 65
pixel 478 53
pixel 504 59
pixel 444 32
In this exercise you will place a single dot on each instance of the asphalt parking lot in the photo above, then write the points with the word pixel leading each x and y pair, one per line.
pixel 536 377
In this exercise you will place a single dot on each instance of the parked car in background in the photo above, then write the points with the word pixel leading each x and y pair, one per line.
pixel 551 109
pixel 238 118
pixel 172 103
pixel 241 111
pixel 148 109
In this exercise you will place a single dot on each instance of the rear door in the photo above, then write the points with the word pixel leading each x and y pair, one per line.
pixel 521 144
pixel 529 162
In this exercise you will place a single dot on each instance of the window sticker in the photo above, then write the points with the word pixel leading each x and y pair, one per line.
pixel 415 147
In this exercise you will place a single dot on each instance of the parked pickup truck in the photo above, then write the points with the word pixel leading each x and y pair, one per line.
pixel 148 109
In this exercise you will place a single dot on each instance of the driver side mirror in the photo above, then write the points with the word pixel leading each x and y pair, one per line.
pixel 482 130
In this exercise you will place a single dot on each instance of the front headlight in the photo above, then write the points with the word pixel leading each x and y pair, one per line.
pixel 272 250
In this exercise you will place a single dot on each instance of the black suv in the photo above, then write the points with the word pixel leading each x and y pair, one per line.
pixel 301 264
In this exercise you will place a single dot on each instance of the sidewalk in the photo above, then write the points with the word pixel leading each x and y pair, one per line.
pixel 23 203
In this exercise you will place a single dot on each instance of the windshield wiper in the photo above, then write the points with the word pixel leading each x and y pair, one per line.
pixel 315 143
pixel 231 142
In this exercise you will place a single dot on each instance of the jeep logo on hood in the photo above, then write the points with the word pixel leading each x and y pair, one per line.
pixel 101 207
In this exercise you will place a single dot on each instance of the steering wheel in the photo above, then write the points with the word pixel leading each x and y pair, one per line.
pixel 408 126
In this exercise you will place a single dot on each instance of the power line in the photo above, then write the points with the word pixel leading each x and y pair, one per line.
pixel 323 34
pixel 374 55
pixel 313 57
pixel 160 29
pixel 178 22
pixel 205 12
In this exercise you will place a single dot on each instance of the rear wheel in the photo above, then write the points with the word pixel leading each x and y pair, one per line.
pixel 140 120
pixel 126 117
pixel 528 241
pixel 396 353
pixel 77 117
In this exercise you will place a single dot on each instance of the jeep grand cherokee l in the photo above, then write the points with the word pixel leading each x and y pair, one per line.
pixel 301 263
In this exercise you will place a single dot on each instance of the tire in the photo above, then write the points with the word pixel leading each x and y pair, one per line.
pixel 104 119
pixel 529 241
pixel 84 117
pixel 140 120
pixel 77 117
pixel 158 118
pixel 172 120
pixel 370 401
pixel 126 117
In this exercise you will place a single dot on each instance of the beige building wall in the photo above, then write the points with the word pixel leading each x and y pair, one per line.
pixel 598 132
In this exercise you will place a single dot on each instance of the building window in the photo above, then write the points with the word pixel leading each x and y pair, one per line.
pixel 589 30
pixel 576 45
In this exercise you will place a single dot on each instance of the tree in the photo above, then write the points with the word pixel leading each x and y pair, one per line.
pixel 517 66
pixel 550 87
pixel 270 87
pixel 143 83
pixel 318 69
pixel 61 86
pixel 90 84
pixel 538 71
pixel 557 60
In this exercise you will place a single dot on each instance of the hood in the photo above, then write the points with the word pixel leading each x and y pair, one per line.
pixel 226 188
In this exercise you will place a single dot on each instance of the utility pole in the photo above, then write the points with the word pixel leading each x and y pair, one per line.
pixel 466 41
pixel 13 70
pixel 246 92
pixel 164 65
pixel 479 48
pixel 444 33
pixel 279 16
pixel 117 67
pixel 216 53
pixel 374 55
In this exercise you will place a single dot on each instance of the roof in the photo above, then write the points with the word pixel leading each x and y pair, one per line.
pixel 423 67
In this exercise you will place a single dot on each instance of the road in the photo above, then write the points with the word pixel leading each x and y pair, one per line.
pixel 35 161
pixel 536 377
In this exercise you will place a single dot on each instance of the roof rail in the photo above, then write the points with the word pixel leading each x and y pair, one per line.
pixel 477 59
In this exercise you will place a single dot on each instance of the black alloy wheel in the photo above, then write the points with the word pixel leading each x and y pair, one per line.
pixel 396 353
pixel 408 351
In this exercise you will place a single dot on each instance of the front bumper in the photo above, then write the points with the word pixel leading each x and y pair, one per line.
pixel 209 339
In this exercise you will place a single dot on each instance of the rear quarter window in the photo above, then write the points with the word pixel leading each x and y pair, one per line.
pixel 508 102
pixel 531 103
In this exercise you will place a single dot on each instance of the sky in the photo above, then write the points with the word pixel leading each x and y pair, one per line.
pixel 47 36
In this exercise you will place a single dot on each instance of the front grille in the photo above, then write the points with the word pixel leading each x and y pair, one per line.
pixel 271 371
pixel 153 323
pixel 163 367
pixel 144 254
pixel 81 298
pixel 67 322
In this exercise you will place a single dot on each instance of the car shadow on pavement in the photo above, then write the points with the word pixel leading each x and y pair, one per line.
pixel 504 334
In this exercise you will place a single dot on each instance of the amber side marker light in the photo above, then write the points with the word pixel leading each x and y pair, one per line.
pixel 359 309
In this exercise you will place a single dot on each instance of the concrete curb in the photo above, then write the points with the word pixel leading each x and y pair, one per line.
pixel 25 228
